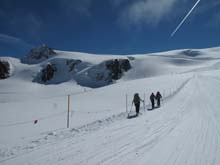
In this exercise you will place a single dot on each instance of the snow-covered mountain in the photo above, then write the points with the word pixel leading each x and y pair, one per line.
pixel 38 54
pixel 34 103
pixel 48 66
pixel 53 67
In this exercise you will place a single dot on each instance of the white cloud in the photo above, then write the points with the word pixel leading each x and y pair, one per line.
pixel 30 22
pixel 19 21
pixel 150 12
pixel 214 21
pixel 211 10
pixel 207 6
pixel 76 6
pixel 118 3
pixel 7 39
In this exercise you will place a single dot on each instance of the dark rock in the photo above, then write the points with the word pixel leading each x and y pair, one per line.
pixel 4 69
pixel 72 64
pixel 191 53
pixel 117 67
pixel 39 54
pixel 48 73
pixel 125 64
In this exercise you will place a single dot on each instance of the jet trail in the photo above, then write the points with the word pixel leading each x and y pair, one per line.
pixel 184 19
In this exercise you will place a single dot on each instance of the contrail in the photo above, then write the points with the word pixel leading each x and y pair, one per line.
pixel 184 18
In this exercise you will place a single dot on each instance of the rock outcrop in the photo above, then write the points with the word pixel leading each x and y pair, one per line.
pixel 117 67
pixel 190 53
pixel 59 70
pixel 48 72
pixel 4 69
pixel 104 73
pixel 39 54
pixel 72 65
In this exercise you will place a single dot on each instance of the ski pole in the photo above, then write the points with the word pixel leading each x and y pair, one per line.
pixel 131 106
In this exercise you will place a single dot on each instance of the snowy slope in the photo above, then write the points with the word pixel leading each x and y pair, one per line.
pixel 185 130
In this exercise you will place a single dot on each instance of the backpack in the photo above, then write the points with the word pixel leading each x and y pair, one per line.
pixel 152 96
pixel 158 95
pixel 136 98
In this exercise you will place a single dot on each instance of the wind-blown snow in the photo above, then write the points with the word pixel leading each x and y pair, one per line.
pixel 185 130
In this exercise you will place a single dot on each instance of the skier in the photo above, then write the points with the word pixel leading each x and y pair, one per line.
pixel 158 97
pixel 136 102
pixel 152 97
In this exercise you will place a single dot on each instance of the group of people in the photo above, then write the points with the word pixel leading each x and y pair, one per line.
pixel 137 100
pixel 157 98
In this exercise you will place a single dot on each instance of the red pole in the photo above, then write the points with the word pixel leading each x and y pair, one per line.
pixel 68 113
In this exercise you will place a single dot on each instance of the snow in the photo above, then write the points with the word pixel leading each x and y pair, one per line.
pixel 184 130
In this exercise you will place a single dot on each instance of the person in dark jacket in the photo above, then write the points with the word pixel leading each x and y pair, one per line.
pixel 158 97
pixel 152 97
pixel 136 102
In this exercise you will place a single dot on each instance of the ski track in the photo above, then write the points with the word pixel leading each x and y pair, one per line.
pixel 188 134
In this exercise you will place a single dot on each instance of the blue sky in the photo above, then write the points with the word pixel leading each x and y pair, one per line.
pixel 107 26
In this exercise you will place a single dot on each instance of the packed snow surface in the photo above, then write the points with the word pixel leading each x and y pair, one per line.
pixel 184 130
